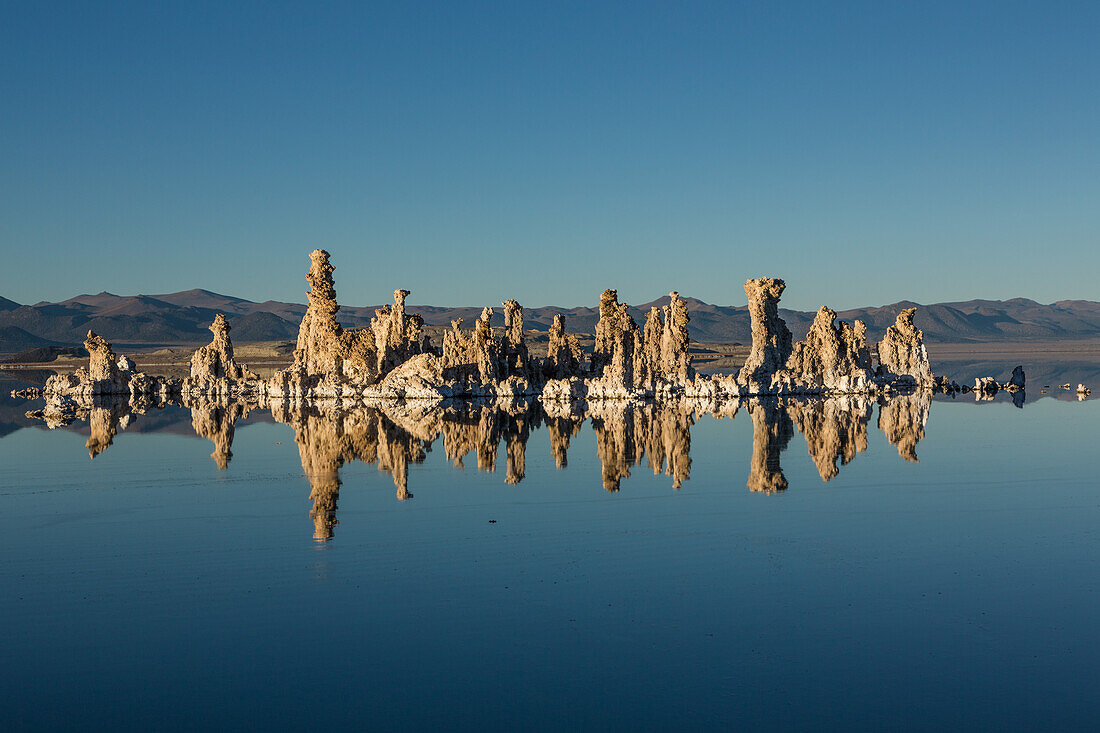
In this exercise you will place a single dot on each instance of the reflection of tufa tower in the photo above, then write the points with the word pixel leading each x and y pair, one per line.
pixel 328 438
pixel 772 430
pixel 214 420
pixel 902 418
pixel 834 429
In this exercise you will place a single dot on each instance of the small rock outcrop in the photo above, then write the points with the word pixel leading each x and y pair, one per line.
pixel 771 339
pixel 901 352
pixel 564 357
pixel 515 360
pixel 215 371
pixel 471 361
pixel 327 359
pixel 105 374
pixel 665 343
pixel 397 336
pixel 832 358
pixel 1016 382
pixel 619 366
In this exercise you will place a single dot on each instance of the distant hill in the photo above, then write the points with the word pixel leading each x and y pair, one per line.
pixel 13 338
pixel 182 318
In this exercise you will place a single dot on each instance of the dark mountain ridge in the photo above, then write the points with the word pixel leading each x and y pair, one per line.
pixel 183 318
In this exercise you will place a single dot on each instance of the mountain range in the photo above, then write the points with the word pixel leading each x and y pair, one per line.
pixel 182 318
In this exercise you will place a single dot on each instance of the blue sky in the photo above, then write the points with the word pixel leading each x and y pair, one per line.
pixel 865 152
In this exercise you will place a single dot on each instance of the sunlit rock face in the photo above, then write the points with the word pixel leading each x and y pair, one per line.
pixel 325 356
pixel 619 366
pixel 771 339
pixel 514 356
pixel 901 352
pixel 215 371
pixel 834 357
pixel 667 363
pixel 564 356
pixel 397 336
pixel 472 361
pixel 330 361
pixel 105 374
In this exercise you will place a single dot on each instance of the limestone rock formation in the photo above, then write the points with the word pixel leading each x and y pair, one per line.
pixel 330 361
pixel 103 376
pixel 397 336
pixel 674 363
pixel 901 352
pixel 215 371
pixel 986 385
pixel 771 339
pixel 564 357
pixel 619 366
pixel 515 358
pixel 472 360
pixel 419 378
pixel 832 358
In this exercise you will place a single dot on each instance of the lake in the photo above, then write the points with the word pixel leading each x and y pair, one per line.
pixel 907 563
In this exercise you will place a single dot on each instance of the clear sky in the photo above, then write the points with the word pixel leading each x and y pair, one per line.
pixel 865 152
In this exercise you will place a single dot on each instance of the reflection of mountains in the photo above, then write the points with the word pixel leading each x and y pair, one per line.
pixel 397 435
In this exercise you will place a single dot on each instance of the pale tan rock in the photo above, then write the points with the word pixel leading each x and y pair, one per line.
pixel 515 358
pixel 771 339
pixel 832 358
pixel 214 369
pixel 618 359
pixel 472 360
pixel 564 356
pixel 902 353
pixel 397 336
pixel 329 361
pixel 674 364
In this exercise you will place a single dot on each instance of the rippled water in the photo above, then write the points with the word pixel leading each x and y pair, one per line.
pixel 782 564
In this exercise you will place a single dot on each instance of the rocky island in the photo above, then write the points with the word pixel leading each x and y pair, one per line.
pixel 393 359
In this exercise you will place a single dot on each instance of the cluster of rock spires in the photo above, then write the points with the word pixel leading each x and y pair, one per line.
pixel 394 359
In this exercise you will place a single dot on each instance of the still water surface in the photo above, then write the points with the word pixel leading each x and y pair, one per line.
pixel 912 565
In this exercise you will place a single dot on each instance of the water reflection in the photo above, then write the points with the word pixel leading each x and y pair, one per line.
pixel 395 436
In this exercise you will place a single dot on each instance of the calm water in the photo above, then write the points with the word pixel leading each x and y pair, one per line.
pixel 910 565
